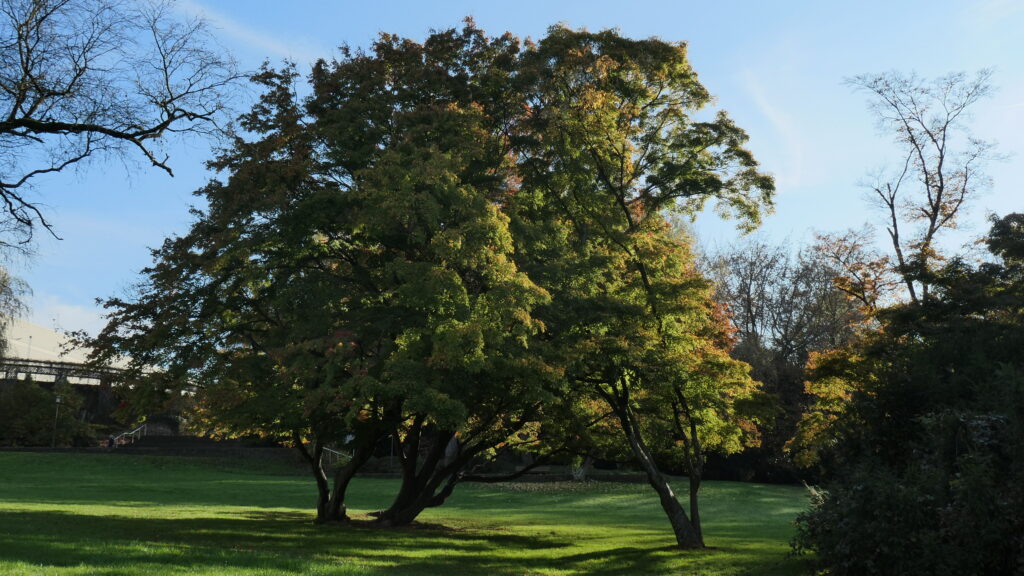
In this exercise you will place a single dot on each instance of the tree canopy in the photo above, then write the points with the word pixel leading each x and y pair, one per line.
pixel 447 243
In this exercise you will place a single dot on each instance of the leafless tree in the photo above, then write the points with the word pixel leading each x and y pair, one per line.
pixel 942 165
pixel 81 79
pixel 784 307
pixel 791 304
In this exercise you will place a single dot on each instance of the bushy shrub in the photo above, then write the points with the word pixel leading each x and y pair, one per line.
pixel 28 411
pixel 955 509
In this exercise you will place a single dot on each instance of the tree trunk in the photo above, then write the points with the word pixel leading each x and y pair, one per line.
pixel 419 481
pixel 409 458
pixel 695 508
pixel 313 459
pixel 449 487
pixel 687 536
pixel 696 475
pixel 336 510
pixel 425 497
pixel 581 472
pixel 433 484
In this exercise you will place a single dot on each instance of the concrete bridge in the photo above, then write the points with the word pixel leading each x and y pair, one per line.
pixel 55 371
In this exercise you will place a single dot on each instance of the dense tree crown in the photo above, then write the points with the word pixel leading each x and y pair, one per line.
pixel 454 243
pixel 610 148
pixel 928 450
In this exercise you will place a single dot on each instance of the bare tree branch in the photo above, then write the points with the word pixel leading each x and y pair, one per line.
pixel 927 120
pixel 80 79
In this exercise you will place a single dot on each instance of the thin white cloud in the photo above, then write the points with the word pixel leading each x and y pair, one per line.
pixel 51 311
pixel 270 45
pixel 792 173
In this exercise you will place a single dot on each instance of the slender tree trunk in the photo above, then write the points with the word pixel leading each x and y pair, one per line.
pixel 580 474
pixel 696 457
pixel 687 536
pixel 322 488
pixel 695 480
pixel 336 510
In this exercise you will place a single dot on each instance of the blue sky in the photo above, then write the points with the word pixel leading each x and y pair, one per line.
pixel 776 67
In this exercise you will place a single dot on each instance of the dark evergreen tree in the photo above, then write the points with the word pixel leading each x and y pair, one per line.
pixel 927 459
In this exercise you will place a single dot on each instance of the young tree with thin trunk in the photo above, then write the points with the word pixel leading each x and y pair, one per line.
pixel 609 147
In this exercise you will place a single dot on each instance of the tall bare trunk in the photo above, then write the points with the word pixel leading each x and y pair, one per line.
pixel 695 453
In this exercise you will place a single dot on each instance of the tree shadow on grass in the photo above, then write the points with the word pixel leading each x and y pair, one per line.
pixel 283 542
pixel 255 492
pixel 287 543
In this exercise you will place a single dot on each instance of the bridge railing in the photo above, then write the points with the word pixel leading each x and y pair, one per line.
pixel 129 437
pixel 10 368
pixel 332 458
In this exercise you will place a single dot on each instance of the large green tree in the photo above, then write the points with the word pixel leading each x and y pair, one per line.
pixel 352 276
pixel 414 137
pixel 444 238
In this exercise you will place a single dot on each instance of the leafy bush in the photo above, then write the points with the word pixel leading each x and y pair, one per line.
pixel 27 413
pixel 954 510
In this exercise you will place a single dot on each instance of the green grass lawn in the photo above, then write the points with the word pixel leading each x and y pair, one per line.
pixel 63 514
